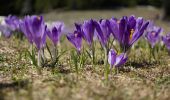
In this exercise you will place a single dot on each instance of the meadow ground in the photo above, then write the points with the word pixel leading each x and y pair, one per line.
pixel 139 80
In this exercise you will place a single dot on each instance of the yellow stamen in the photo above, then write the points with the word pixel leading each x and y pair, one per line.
pixel 131 33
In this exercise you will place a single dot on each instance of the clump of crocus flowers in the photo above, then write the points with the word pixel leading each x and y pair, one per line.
pixel 125 30
pixel 34 29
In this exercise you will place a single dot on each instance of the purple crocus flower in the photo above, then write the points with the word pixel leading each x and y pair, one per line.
pixel 34 29
pixel 76 39
pixel 116 60
pixel 5 30
pixel 88 31
pixel 127 30
pixel 153 34
pixel 10 24
pixel 54 31
pixel 166 40
pixel 103 31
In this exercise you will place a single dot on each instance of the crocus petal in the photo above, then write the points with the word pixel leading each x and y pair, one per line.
pixel 24 28
pixel 139 22
pixel 88 31
pixel 122 29
pixel 37 25
pixel 132 22
pixel 120 60
pixel 112 57
pixel 139 33
pixel 99 33
pixel 113 26
pixel 105 29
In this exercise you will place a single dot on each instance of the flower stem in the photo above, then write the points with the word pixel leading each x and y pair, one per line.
pixel 43 56
pixel 105 65
pixel 105 55
pixel 117 70
pixel 106 74
pixel 93 53
pixel 150 55
pixel 39 58
pixel 54 53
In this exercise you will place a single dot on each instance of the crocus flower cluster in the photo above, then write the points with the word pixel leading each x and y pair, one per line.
pixel 34 29
pixel 126 30
pixel 153 34
pixel 9 25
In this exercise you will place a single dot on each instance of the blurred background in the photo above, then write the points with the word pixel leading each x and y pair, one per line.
pixel 22 7
pixel 39 6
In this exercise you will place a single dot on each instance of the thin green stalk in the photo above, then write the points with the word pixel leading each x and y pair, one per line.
pixel 54 53
pixel 75 57
pixel 39 58
pixel 93 53
pixel 105 56
pixel 82 58
pixel 116 70
pixel 32 49
pixel 54 56
pixel 43 56
pixel 153 53
pixel 49 51
pixel 39 62
pixel 106 65
pixel 106 74
pixel 150 55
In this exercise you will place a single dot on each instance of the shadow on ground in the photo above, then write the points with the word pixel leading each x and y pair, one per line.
pixel 14 85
